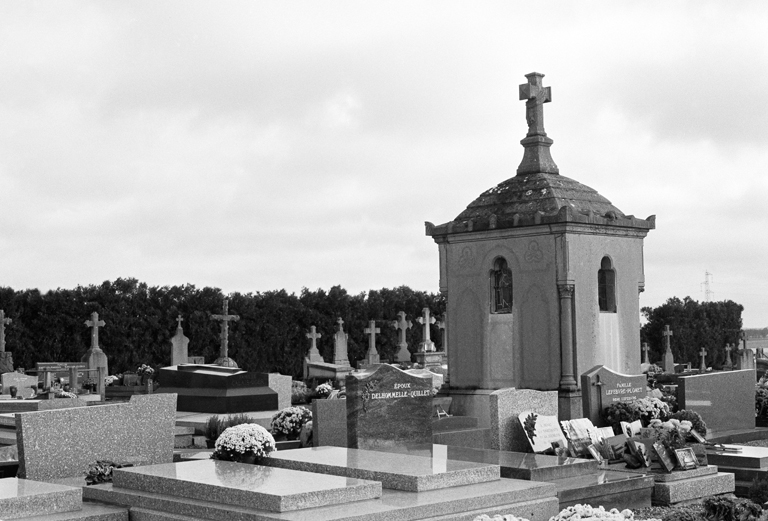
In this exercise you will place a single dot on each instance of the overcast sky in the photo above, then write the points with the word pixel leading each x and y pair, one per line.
pixel 254 146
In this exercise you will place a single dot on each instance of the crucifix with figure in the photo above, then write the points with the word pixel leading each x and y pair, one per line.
pixel 536 155
pixel 372 356
pixel 225 319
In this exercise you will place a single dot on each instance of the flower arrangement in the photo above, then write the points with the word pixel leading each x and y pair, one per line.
pixel 697 422
pixel 645 409
pixel 112 379
pixel 289 421
pixel 145 370
pixel 651 408
pixel 101 471
pixel 590 513
pixel 324 390
pixel 672 433
pixel 60 393
pixel 244 443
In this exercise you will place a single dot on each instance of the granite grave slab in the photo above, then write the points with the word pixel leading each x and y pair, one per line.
pixel 396 471
pixel 251 486
pixel 725 399
pixel 602 387
pixel 14 406
pixel 62 443
pixel 388 407
pixel 25 498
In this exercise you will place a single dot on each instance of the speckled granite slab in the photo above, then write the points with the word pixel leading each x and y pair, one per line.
pixel 673 492
pixel 62 443
pixel 396 471
pixel 24 498
pixel 252 486
pixel 532 500
pixel 517 465
pixel 14 406
pixel 749 457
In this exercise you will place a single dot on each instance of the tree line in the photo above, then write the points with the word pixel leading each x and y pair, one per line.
pixel 141 320
pixel 694 325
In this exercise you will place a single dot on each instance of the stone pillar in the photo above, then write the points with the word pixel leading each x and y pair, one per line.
pixel 101 385
pixel 569 397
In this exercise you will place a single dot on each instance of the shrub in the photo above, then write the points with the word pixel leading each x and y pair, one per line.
pixel 299 392
pixel 697 422
pixel 723 508
pixel 214 426
pixel 758 491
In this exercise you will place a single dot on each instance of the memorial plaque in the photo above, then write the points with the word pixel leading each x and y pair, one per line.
pixel 602 387
pixel 387 408
pixel 541 431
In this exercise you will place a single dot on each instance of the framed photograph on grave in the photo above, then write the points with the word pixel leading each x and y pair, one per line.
pixel 664 457
pixel 698 437
pixel 686 458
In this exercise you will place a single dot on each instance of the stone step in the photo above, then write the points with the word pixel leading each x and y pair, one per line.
pixel 21 498
pixel 252 486
pixel 472 438
pixel 89 512
pixel 532 500
pixel 394 470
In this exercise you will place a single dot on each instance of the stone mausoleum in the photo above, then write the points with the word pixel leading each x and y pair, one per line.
pixel 542 276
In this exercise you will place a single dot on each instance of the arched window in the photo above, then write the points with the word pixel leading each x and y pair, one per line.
pixel 501 287
pixel 606 286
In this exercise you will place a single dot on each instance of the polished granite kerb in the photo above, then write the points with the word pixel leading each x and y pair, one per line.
pixel 24 498
pixel 252 486
pixel 748 457
pixel 394 470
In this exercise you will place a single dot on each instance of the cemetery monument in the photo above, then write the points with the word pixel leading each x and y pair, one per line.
pixel 225 318
pixel 534 267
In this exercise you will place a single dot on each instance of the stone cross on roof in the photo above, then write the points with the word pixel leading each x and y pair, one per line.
pixel 95 323
pixel 225 319
pixel 3 322
pixel 179 320
pixel 425 320
pixel 536 158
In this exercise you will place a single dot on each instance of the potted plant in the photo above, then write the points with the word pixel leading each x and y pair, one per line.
pixel 287 423
pixel 323 390
pixel 213 428
pixel 145 372
pixel 244 443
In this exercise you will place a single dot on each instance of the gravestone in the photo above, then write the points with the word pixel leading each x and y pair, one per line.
pixel 95 358
pixel 340 346
pixel 61 443
pixel 725 399
pixel 703 362
pixel 62 370
pixel 669 359
pixel 22 382
pixel 372 356
pixel 387 408
pixel 505 407
pixel 179 345
pixel 225 318
pixel 6 358
pixel 541 430
pixel 402 325
pixel 426 345
pixel 602 387
pixel 314 355
pixel 329 423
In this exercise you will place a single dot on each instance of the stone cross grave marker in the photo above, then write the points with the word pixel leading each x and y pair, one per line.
pixel 669 359
pixel 645 353
pixel 95 358
pixel 179 345
pixel 314 354
pixel 372 356
pixel 340 346
pixel 703 354
pixel 225 319
pixel 602 387
pixel 728 363
pixel 6 359
pixel 388 408
pixel 426 320
pixel 401 324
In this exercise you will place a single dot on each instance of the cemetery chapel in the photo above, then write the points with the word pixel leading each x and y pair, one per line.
pixel 542 277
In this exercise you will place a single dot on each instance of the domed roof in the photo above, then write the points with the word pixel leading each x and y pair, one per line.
pixel 538 194
pixel 532 193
